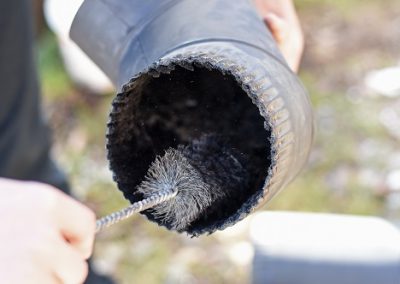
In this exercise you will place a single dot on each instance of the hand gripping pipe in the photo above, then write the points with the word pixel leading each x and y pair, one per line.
pixel 184 68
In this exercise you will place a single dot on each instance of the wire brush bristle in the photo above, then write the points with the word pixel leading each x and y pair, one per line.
pixel 173 171
pixel 207 175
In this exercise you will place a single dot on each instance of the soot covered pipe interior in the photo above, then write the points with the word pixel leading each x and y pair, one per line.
pixel 181 106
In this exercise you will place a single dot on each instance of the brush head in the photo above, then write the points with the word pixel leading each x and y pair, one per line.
pixel 209 177
pixel 174 172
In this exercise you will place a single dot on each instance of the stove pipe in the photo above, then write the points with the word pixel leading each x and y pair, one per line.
pixel 184 68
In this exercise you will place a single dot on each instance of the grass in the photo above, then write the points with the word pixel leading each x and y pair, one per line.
pixel 55 81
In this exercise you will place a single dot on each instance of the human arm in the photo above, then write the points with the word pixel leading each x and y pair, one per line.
pixel 45 235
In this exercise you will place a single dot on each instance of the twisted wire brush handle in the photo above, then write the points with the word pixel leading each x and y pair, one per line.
pixel 136 207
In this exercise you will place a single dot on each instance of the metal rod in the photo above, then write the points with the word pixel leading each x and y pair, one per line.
pixel 136 207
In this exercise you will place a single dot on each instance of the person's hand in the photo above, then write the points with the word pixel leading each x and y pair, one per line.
pixel 281 18
pixel 45 235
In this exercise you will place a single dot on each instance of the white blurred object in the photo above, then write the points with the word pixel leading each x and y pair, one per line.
pixel 297 248
pixel 385 82
pixel 393 180
pixel 241 253
pixel 59 15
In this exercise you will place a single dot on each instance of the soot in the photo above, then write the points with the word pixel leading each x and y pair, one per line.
pixel 209 118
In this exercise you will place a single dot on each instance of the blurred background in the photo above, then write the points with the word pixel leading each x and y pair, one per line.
pixel 351 69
